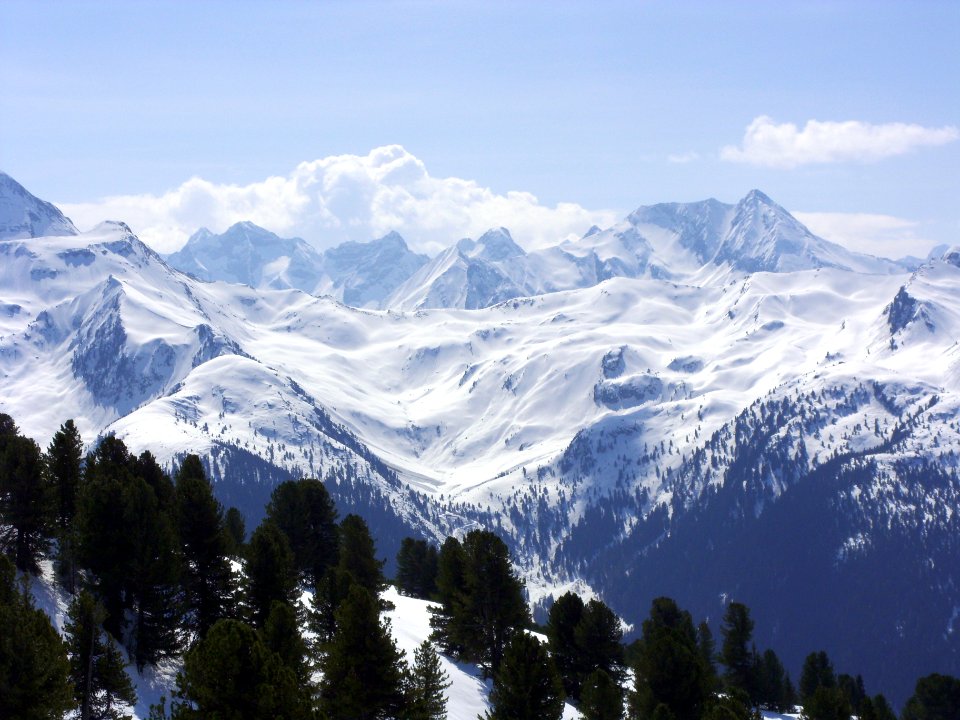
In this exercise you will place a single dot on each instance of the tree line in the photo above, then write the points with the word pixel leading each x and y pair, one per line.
pixel 156 568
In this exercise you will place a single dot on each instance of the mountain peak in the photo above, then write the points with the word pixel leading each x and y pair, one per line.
pixel 494 245
pixel 22 215
pixel 758 197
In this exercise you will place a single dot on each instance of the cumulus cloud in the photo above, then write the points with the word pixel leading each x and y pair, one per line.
pixel 882 235
pixel 341 198
pixel 785 146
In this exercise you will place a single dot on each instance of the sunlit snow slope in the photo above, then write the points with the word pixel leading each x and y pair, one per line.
pixel 626 384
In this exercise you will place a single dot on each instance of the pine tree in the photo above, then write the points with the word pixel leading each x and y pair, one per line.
pixel 281 634
pixel 100 683
pixel 271 575
pixel 493 605
pixel 63 463
pixel 154 582
pixel 877 708
pixel 358 555
pixel 34 669
pixel 427 685
pixel 102 544
pixel 817 672
pixel 304 511
pixel 772 683
pixel 669 668
pixel 562 621
pixel 232 675
pixel 445 620
pixel 601 697
pixel 26 504
pixel 208 579
pixel 708 653
pixel 526 685
pixel 363 669
pixel 330 593
pixel 417 568
pixel 599 640
pixel 736 653
pixel 127 540
pixel 236 532
pixel 935 697
pixel 733 704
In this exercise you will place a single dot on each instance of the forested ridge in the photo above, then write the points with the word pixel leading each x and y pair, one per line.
pixel 157 569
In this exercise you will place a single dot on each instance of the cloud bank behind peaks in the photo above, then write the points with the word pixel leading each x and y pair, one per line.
pixel 341 198
pixel 785 146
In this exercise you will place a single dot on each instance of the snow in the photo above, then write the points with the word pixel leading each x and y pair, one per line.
pixel 472 404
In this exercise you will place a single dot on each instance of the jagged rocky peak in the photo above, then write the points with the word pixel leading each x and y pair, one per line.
pixel 390 248
pixel 249 254
pixel 494 245
pixel 951 256
pixel 24 216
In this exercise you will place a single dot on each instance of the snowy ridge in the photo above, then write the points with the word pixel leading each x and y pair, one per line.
pixel 586 423
pixel 24 216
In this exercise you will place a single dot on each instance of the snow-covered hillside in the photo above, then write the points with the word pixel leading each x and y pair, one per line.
pixel 623 380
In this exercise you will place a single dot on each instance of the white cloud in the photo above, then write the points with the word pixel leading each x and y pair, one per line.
pixel 767 143
pixel 345 197
pixel 882 235
pixel 683 158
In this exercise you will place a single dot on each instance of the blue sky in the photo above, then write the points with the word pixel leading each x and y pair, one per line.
pixel 601 106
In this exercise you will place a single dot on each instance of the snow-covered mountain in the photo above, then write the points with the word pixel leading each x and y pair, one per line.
pixel 357 274
pixel 23 216
pixel 364 274
pixel 697 379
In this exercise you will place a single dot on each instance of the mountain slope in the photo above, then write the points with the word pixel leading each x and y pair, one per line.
pixel 590 425
pixel 24 216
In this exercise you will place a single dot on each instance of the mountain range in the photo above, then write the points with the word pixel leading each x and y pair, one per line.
pixel 704 400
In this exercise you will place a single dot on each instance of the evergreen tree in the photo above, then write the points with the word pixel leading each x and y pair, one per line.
pixel 26 503
pixel 330 593
pixel 208 579
pixel 493 605
pixel 427 685
pixel 417 568
pixel 127 540
pixel 669 669
pixel 153 584
pixel 736 653
pixel 817 672
pixel 236 532
pixel 304 511
pixel 772 683
pixel 565 614
pixel 708 654
pixel 734 704
pixel 34 669
pixel 63 463
pixel 281 634
pixel 100 684
pixel 358 555
pixel 599 641
pixel 363 669
pixel 935 697
pixel 271 575
pixel 102 544
pixel 232 675
pixel 526 685
pixel 146 467
pixel 826 703
pixel 451 566
pixel 853 690
pixel 876 708
pixel 601 697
